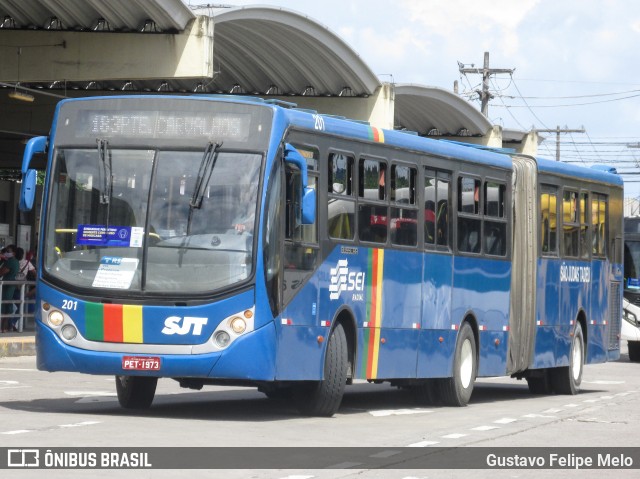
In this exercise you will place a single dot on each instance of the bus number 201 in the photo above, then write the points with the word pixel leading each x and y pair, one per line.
pixel 69 304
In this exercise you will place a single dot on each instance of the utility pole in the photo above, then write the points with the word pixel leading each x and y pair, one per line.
pixel 557 131
pixel 486 72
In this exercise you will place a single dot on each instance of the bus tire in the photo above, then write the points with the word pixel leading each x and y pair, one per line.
pixel 634 351
pixel 567 379
pixel 323 398
pixel 540 384
pixel 136 392
pixel 457 390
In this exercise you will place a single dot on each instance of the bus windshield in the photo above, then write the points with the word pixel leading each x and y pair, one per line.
pixel 632 265
pixel 147 220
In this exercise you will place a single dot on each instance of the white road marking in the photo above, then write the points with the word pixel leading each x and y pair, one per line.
pixel 80 424
pixel 484 428
pixel 298 477
pixel 505 420
pixel 455 435
pixel 552 410
pixel 18 431
pixel 592 400
pixel 571 405
pixel 538 415
pixel 399 412
pixel 424 444
pixel 606 397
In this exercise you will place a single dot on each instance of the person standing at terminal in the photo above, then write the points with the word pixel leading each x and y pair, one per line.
pixel 9 268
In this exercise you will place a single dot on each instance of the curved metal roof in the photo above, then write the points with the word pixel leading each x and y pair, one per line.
pixel 436 110
pixel 261 48
pixel 116 15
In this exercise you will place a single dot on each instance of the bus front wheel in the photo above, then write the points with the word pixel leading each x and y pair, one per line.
pixel 135 392
pixel 457 390
pixel 323 398
pixel 567 379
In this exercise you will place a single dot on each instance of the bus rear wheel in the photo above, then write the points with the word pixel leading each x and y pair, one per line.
pixel 457 390
pixel 323 398
pixel 135 392
pixel 567 379
pixel 634 351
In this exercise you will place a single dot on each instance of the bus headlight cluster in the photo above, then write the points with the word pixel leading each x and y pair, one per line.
pixel 232 327
pixel 56 318
pixel 222 339
pixel 630 317
pixel 69 332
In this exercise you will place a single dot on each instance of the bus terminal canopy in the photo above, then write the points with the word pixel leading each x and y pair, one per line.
pixel 54 49
pixel 432 111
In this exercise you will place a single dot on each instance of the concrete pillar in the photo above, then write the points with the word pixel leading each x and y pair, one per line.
pixel 377 109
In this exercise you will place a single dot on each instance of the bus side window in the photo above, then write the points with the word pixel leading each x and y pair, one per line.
pixel 373 219
pixel 599 222
pixel 404 220
pixel 549 220
pixel 341 205
pixel 469 221
pixel 436 207
pixel 495 222
pixel 585 231
pixel 570 226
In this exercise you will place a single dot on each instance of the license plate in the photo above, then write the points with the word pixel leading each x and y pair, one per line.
pixel 141 363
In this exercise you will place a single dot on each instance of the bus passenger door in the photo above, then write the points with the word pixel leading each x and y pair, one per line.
pixel 299 354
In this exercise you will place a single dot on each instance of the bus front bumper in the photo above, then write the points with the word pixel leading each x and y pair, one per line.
pixel 251 357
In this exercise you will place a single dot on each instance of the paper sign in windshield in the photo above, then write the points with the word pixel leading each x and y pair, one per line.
pixel 115 272
pixel 113 236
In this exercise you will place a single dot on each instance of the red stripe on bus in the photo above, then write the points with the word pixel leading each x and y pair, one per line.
pixel 113 323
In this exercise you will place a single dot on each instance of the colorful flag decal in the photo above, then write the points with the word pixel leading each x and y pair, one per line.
pixel 113 323
pixel 376 134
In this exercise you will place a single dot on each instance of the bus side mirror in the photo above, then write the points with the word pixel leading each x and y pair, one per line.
pixel 308 216
pixel 308 194
pixel 29 176
pixel 28 190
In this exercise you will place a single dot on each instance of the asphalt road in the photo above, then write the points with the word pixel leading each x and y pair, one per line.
pixel 49 410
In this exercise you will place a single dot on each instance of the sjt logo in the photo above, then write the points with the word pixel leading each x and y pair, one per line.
pixel 172 325
pixel 343 280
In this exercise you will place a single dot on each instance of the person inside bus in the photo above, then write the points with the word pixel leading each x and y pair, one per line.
pixel 9 267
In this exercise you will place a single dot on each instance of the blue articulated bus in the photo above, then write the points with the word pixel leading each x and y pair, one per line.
pixel 221 240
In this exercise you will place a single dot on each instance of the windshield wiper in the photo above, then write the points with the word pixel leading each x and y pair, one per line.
pixel 104 155
pixel 207 165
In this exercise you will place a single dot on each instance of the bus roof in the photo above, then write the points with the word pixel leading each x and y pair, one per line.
pixel 307 119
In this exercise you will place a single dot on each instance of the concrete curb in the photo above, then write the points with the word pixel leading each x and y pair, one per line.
pixel 12 346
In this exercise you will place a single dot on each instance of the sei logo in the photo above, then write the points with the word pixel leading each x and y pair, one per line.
pixel 344 280
pixel 178 325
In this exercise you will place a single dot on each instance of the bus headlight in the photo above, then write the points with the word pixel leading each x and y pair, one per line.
pixel 629 317
pixel 69 332
pixel 56 318
pixel 238 325
pixel 222 339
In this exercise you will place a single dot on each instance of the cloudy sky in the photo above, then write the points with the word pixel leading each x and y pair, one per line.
pixel 575 61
